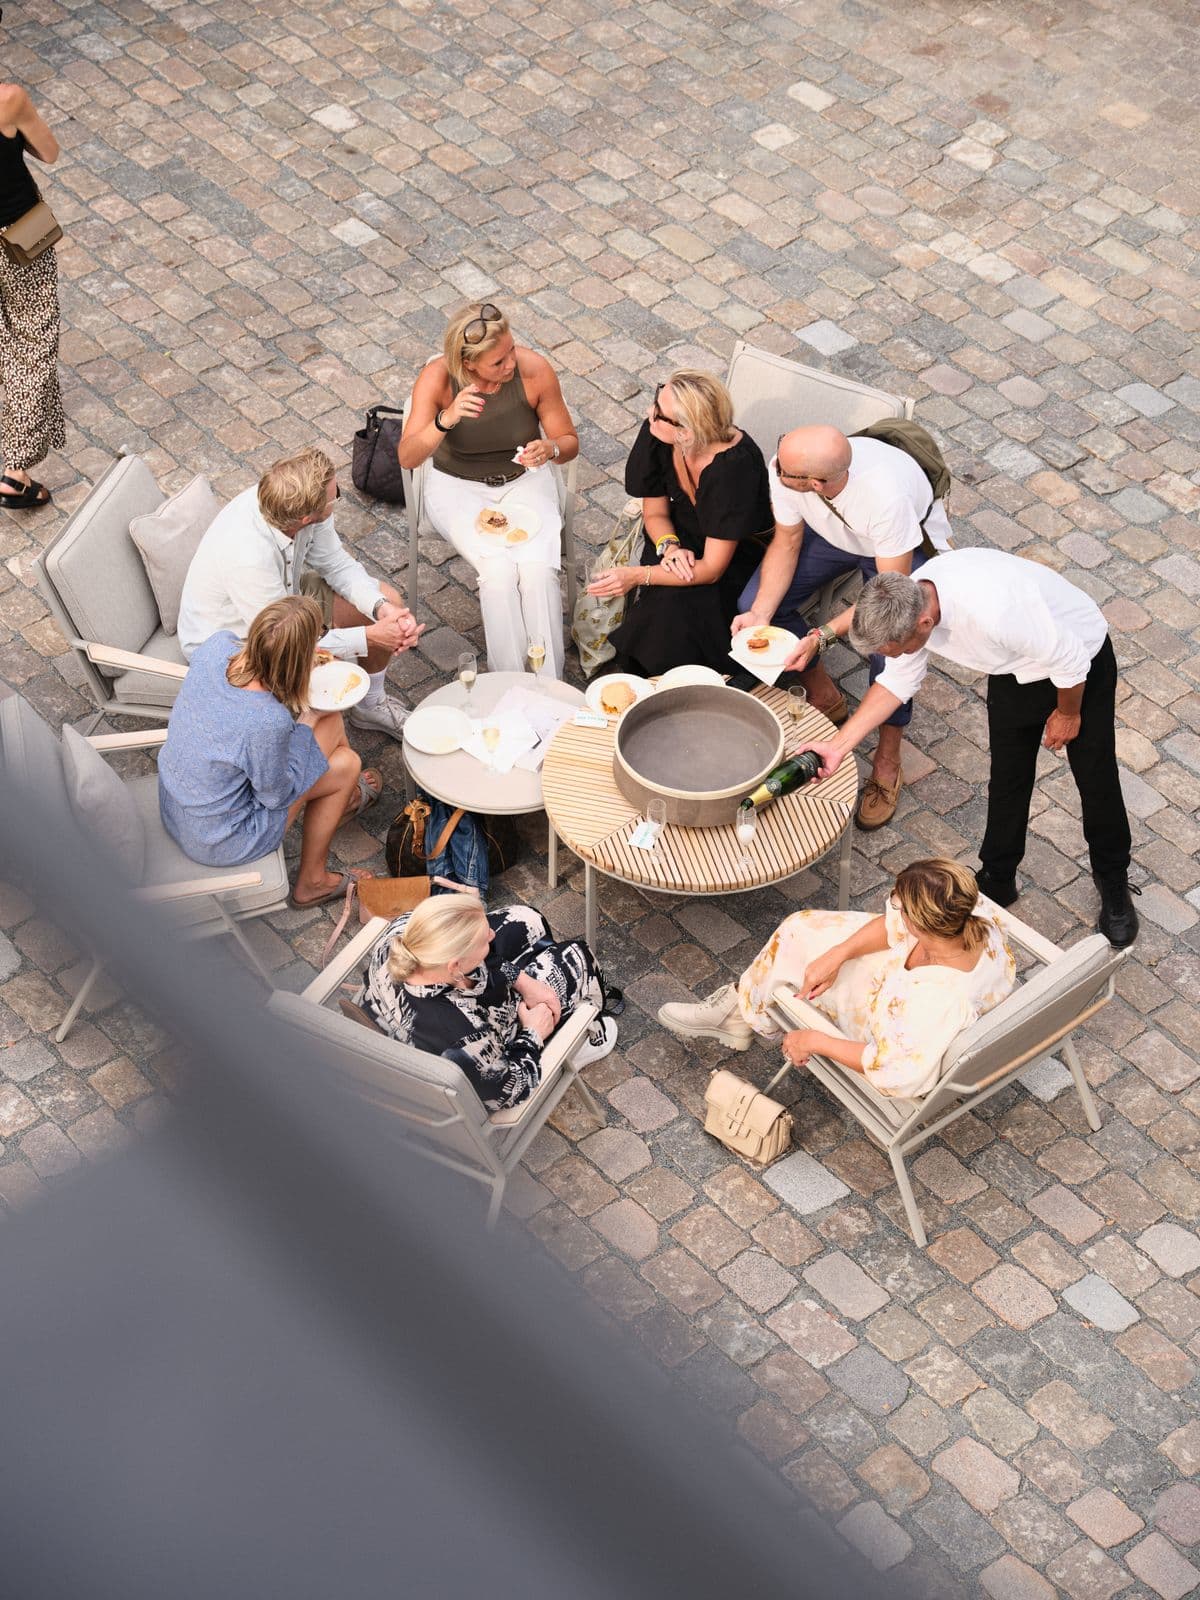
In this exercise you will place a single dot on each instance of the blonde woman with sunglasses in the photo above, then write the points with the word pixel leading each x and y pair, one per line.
pixel 489 416
pixel 706 506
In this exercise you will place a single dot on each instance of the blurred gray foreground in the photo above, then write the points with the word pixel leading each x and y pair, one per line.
pixel 267 1353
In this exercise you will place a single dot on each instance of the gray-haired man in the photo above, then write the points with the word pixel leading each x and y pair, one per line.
pixel 1052 680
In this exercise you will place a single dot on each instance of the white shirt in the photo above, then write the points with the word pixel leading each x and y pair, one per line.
pixel 243 563
pixel 1003 613
pixel 883 502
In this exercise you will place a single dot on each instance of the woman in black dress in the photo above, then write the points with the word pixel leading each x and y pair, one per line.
pixel 706 506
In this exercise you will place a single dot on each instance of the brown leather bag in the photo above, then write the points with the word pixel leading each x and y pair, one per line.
pixel 747 1122
pixel 31 235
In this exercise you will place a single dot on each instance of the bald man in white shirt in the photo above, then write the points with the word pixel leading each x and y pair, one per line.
pixel 840 504
pixel 1052 679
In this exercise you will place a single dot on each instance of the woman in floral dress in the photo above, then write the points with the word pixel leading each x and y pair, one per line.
pixel 900 986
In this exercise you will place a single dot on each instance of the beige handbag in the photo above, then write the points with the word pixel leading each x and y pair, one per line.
pixel 750 1124
pixel 31 235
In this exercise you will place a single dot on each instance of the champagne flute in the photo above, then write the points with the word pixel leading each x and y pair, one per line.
pixel 468 668
pixel 797 704
pixel 746 826
pixel 656 815
pixel 491 738
pixel 535 653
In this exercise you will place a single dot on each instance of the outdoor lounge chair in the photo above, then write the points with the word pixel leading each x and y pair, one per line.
pixel 431 1103
pixel 1038 1018
pixel 93 580
pixel 199 900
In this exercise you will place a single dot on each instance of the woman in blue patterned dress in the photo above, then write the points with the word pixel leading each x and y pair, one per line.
pixel 485 989
pixel 245 754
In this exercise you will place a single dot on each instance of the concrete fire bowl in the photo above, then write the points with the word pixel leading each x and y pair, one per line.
pixel 701 748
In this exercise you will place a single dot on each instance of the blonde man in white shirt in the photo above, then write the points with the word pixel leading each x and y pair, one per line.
pixel 279 539
pixel 1052 679
pixel 841 504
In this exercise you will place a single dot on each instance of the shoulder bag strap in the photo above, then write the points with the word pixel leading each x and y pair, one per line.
pixel 453 821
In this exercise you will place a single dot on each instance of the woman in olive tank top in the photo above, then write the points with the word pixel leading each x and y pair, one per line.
pixel 487 415
pixel 33 412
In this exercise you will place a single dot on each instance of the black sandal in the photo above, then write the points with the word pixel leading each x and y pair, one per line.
pixel 27 496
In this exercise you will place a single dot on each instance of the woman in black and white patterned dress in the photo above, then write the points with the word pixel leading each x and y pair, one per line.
pixel 485 989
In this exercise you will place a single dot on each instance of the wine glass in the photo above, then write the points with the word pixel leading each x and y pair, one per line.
pixel 656 816
pixel 746 826
pixel 797 704
pixel 491 738
pixel 535 653
pixel 468 668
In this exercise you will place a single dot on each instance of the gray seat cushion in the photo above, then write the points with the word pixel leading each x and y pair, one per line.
pixel 143 688
pixel 103 805
pixel 166 863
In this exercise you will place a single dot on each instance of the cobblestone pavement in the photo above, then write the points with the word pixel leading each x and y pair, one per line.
pixel 267 209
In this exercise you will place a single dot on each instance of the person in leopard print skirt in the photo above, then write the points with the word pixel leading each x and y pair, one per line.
pixel 33 410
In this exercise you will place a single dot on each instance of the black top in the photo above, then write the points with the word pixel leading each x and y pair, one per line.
pixel 733 495
pixel 668 627
pixel 18 192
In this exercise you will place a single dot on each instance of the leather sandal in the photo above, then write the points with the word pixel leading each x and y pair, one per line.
pixel 24 496
pixel 877 803
pixel 370 787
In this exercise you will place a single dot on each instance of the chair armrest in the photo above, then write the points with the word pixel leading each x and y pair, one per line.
pixel 191 888
pixel 106 655
pixel 359 948
pixel 145 740
pixel 567 1037
pixel 1021 933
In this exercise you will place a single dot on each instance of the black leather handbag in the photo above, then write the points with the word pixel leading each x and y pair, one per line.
pixel 375 466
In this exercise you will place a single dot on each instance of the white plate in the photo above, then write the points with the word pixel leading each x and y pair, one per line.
pixel 640 687
pixel 680 677
pixel 783 642
pixel 519 516
pixel 437 730
pixel 336 686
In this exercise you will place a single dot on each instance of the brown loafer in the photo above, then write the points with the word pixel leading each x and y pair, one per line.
pixel 877 803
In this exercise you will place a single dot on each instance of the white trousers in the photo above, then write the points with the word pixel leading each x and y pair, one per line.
pixel 519 594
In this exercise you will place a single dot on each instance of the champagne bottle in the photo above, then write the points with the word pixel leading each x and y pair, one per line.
pixel 791 774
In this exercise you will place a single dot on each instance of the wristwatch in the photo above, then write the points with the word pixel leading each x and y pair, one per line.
pixel 378 606
pixel 439 425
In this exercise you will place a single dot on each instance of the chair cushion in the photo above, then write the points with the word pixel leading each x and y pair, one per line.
pixel 143 688
pixel 103 805
pixel 167 540
pixel 93 564
pixel 166 863
pixel 33 759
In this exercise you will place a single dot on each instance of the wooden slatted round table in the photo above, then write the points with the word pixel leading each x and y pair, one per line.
pixel 593 818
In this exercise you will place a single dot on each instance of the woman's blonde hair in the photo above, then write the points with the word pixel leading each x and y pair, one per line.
pixel 939 897
pixel 703 404
pixel 459 354
pixel 294 488
pixel 279 650
pixel 441 929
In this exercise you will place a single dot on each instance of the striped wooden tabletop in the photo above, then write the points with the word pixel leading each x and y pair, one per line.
pixel 592 817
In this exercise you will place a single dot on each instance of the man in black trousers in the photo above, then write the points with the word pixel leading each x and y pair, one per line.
pixel 1052 680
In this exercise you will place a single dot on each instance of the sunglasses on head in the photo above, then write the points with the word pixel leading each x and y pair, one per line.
pixel 659 414
pixel 475 331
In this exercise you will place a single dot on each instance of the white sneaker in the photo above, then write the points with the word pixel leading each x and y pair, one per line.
pixel 383 716
pixel 600 1041
pixel 717 1017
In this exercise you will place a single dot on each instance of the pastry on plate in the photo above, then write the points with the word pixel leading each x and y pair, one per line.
pixel 491 520
pixel 516 536
pixel 759 639
pixel 616 697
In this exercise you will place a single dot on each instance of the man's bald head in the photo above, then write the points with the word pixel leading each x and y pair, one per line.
pixel 821 453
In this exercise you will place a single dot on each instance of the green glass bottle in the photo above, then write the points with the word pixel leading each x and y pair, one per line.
pixel 791 774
